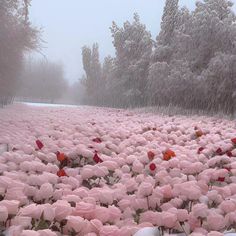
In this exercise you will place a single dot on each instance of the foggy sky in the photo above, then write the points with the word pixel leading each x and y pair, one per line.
pixel 69 25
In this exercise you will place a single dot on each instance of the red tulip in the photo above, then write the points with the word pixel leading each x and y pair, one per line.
pixel 61 173
pixel 229 153
pixel 152 167
pixel 200 150
pixel 168 154
pixel 61 157
pixel 151 155
pixel 199 133
pixel 96 158
pixel 97 140
pixel 219 151
pixel 221 179
pixel 233 140
pixel 228 168
pixel 39 144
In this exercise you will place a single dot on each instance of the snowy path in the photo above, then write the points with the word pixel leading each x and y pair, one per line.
pixel 111 172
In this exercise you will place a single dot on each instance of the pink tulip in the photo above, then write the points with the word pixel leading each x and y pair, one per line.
pixel 76 223
pixel 29 233
pixel 102 213
pixel 200 210
pixel 182 215
pixel 125 169
pixel 166 190
pixel 100 171
pixel 169 219
pixel 45 191
pixel 24 221
pixel 110 165
pixel 215 221
pixel 137 167
pixel 215 233
pixel 152 217
pixel 87 172
pixel 48 212
pixel 62 209
pixel 228 206
pixel 106 196
pixel 3 214
pixel 11 205
pixel 109 230
pixel 14 230
pixel 96 225
pixel 139 203
pixel 145 189
pixel 46 232
pixel 131 185
pixel 193 222
pixel 32 210
pixel 85 210
pixel 115 213
pixel 124 203
pixel 91 234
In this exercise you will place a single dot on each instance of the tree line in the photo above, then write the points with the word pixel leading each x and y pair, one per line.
pixel 190 64
pixel 27 79
pixel 17 36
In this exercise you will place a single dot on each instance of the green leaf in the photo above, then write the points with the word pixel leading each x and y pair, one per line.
pixel 43 224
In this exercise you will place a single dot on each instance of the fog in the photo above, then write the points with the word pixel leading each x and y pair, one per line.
pixel 68 27
pixel 119 53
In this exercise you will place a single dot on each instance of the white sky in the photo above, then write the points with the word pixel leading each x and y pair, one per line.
pixel 68 25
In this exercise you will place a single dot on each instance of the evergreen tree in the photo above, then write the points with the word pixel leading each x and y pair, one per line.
pixel 133 45
pixel 194 46
pixel 169 22
pixel 93 81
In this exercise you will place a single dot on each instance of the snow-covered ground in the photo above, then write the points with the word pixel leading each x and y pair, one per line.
pixel 38 104
pixel 111 172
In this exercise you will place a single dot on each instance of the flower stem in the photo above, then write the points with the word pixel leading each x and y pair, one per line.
pixel 182 227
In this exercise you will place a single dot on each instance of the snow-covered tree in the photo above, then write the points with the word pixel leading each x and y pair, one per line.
pixel 133 45
pixel 191 64
pixel 195 46
pixel 16 36
pixel 169 22
pixel 157 86
pixel 220 79
pixel 87 57
pixel 107 68
pixel 93 70
pixel 211 30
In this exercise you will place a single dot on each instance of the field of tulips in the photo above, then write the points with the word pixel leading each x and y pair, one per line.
pixel 108 172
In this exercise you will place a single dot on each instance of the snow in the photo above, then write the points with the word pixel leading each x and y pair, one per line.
pixel 91 166
pixel 47 104
pixel 148 231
